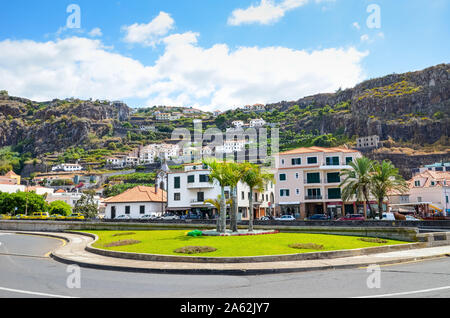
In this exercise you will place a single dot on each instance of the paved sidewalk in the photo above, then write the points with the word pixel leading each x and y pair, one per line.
pixel 73 252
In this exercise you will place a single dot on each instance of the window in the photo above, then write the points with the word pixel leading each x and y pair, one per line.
pixel 282 162
pixel 314 194
pixel 282 177
pixel 313 177
pixel 142 209
pixel 127 209
pixel 296 161
pixel 204 178
pixel 176 196
pixel 333 177
pixel 284 192
pixel 297 191
pixel 177 182
pixel 200 196
pixel 191 179
pixel 312 160
pixel 332 161
pixel 243 195
pixel 348 160
pixel 296 175
pixel 417 183
pixel 334 193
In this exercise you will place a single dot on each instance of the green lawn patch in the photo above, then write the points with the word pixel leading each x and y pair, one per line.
pixel 166 242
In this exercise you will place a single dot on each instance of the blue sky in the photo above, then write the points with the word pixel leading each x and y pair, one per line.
pixel 222 54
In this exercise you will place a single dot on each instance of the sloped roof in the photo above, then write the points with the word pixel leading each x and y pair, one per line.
pixel 11 174
pixel 139 194
pixel 306 150
pixel 437 176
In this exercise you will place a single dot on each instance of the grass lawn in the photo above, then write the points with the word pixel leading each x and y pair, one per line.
pixel 165 242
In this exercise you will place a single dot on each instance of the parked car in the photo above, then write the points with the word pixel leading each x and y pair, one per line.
pixel 286 218
pixel 319 217
pixel 39 216
pixel 149 217
pixel 20 217
pixel 192 216
pixel 411 218
pixel 266 218
pixel 123 217
pixel 387 216
pixel 5 217
pixel 56 217
pixel 170 216
pixel 75 216
pixel 352 217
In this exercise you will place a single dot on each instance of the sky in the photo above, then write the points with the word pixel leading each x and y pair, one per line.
pixel 213 54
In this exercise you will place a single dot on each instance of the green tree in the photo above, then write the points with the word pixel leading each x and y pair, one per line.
pixel 60 207
pixel 235 173
pixel 256 180
pixel 357 181
pixel 386 179
pixel 86 205
pixel 25 202
pixel 220 173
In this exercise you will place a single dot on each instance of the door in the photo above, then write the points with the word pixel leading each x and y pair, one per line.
pixel 113 212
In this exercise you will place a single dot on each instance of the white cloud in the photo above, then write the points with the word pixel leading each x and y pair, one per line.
pixel 266 12
pixel 149 34
pixel 371 39
pixel 96 32
pixel 365 38
pixel 186 74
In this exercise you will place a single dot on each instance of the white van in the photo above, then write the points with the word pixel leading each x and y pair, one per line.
pixel 388 216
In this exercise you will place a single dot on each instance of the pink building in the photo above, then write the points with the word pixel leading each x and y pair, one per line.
pixel 308 179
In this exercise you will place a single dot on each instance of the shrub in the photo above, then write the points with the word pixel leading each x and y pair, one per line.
pixel 373 240
pixel 195 249
pixel 123 234
pixel 306 246
pixel 122 243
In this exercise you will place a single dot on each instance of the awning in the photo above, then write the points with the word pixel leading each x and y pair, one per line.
pixel 433 207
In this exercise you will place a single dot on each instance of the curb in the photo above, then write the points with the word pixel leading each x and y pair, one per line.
pixel 227 272
pixel 235 272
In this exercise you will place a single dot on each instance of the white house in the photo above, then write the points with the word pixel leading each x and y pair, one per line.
pixel 256 123
pixel 67 167
pixel 136 202
pixel 188 189
pixel 70 198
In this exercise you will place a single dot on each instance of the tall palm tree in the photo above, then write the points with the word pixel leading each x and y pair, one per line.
pixel 235 174
pixel 256 180
pixel 220 173
pixel 216 202
pixel 385 179
pixel 357 181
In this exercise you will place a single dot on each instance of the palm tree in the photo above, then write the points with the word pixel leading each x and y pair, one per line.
pixel 216 202
pixel 220 173
pixel 236 173
pixel 255 180
pixel 357 181
pixel 384 180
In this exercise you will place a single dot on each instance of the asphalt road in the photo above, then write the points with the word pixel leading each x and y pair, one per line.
pixel 25 271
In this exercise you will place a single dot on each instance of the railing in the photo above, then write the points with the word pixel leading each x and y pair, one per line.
pixel 313 197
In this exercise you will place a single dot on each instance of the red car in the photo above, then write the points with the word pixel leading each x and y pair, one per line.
pixel 352 217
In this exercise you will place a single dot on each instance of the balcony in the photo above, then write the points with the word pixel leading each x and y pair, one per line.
pixel 313 197
pixel 200 185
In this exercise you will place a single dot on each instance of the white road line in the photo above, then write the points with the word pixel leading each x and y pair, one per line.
pixel 407 293
pixel 33 293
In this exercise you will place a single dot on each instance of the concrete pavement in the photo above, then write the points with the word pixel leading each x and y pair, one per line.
pixel 73 252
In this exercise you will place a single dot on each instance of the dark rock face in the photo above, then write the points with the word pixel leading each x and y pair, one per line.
pixel 56 125
pixel 402 106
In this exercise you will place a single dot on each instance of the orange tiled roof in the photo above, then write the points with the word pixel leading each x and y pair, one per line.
pixel 139 194
pixel 437 176
pixel 305 150
pixel 11 174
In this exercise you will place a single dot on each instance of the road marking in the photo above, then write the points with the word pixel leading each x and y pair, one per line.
pixel 407 293
pixel 33 293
